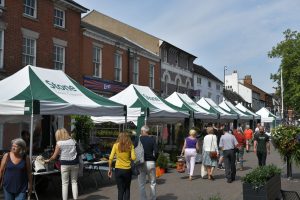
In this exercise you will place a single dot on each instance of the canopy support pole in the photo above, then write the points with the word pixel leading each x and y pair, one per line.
pixel 31 135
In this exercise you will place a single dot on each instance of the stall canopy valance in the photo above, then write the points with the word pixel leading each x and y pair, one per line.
pixel 229 107
pixel 246 110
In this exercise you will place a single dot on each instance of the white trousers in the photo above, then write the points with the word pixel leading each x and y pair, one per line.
pixel 148 168
pixel 66 171
pixel 190 159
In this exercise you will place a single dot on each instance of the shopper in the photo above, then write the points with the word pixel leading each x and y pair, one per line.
pixel 69 160
pixel 248 133
pixel 228 143
pixel 189 151
pixel 221 156
pixel 239 136
pixel 210 145
pixel 15 172
pixel 148 168
pixel 124 152
pixel 261 146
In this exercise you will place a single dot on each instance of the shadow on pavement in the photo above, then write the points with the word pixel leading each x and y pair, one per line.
pixel 94 197
pixel 160 181
pixel 168 196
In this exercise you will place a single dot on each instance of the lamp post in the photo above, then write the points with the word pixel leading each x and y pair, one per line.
pixel 225 68
pixel 281 90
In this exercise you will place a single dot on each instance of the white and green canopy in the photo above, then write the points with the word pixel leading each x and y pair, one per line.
pixel 247 111
pixel 229 107
pixel 185 102
pixel 266 115
pixel 34 90
pixel 211 106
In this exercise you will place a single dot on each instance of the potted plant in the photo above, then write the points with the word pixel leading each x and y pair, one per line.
pixel 285 141
pixel 162 162
pixel 262 183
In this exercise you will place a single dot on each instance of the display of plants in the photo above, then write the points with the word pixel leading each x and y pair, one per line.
pixel 260 175
pixel 162 161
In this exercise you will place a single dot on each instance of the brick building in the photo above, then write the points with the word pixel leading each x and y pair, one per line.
pixel 110 62
pixel 43 33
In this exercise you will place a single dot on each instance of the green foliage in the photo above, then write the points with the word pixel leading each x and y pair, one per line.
pixel 83 126
pixel 260 175
pixel 162 161
pixel 288 51
pixel 213 197
pixel 107 133
pixel 285 140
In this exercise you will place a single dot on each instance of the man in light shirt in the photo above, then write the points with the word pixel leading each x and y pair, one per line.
pixel 228 143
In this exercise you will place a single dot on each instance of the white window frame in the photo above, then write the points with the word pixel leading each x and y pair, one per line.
pixel 165 55
pixel 29 6
pixel 199 80
pixel 32 51
pixel 1 48
pixel 118 67
pixel 135 74
pixel 59 60
pixel 63 19
pixel 97 61
pixel 2 3
pixel 151 75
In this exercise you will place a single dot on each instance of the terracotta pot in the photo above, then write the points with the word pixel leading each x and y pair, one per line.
pixel 162 171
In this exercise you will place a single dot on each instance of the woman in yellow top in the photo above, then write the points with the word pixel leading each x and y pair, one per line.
pixel 124 151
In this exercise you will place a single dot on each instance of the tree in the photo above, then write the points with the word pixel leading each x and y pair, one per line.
pixel 83 126
pixel 288 51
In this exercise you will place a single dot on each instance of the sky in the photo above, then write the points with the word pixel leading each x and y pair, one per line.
pixel 233 33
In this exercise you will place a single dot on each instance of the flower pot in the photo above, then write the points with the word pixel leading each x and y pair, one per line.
pixel 162 171
pixel 269 191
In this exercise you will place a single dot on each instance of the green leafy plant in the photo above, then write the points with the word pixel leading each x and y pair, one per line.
pixel 83 126
pixel 284 139
pixel 260 175
pixel 162 161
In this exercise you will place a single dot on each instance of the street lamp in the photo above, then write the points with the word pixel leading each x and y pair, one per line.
pixel 225 68
pixel 281 90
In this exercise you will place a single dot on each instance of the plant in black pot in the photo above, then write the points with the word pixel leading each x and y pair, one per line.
pixel 262 183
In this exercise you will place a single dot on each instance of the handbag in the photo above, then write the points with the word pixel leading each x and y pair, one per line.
pixel 79 150
pixel 139 152
pixel 134 169
pixel 213 154
pixel 39 164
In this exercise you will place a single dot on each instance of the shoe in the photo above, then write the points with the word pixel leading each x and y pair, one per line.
pixel 190 178
pixel 241 169
pixel 212 178
pixel 229 181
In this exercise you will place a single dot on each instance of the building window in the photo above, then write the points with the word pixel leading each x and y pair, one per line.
pixel 177 85
pixel 218 99
pixel 59 17
pixel 165 55
pixel 151 76
pixel 135 78
pixel 28 52
pixel 2 3
pixel 118 67
pixel 166 84
pixel 209 95
pixel 30 8
pixel 209 84
pixel 59 57
pixel 1 48
pixel 97 61
pixel 198 80
pixel 218 87
pixel 177 60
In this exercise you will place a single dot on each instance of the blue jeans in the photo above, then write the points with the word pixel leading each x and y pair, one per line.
pixel 14 196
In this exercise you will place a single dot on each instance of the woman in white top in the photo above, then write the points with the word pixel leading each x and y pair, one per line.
pixel 66 147
pixel 209 145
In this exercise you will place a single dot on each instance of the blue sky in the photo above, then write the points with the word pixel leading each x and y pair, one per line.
pixel 233 33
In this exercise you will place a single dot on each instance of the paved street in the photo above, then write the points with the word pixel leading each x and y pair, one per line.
pixel 173 186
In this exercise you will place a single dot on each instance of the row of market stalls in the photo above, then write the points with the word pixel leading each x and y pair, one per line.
pixel 33 91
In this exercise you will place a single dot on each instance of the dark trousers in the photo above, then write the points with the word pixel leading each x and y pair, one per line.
pixel 123 179
pixel 262 157
pixel 229 161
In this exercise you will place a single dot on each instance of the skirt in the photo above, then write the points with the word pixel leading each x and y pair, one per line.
pixel 207 161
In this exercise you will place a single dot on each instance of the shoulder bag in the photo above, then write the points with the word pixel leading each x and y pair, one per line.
pixel 139 152
pixel 213 154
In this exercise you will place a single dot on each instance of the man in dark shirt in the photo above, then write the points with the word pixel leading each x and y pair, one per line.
pixel 261 146
pixel 147 168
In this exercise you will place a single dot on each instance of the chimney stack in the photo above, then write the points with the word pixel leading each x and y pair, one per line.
pixel 248 80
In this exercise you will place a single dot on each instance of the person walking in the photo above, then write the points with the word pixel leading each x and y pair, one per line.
pixel 124 151
pixel 189 151
pixel 261 146
pixel 228 142
pixel 148 167
pixel 239 136
pixel 69 160
pixel 248 133
pixel 15 172
pixel 221 156
pixel 210 145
